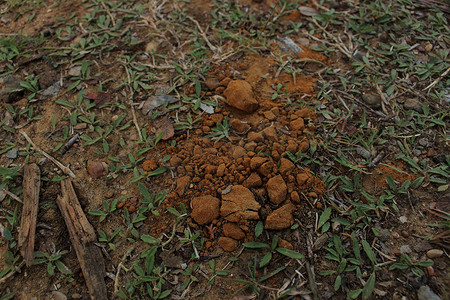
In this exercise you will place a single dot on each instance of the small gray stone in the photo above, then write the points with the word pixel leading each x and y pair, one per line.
pixel 373 101
pixel 12 154
pixel 413 104
pixel 425 293
pixel 435 253
pixel 2 195
pixel 423 142
pixel 11 90
pixel 212 83
pixel 75 71
pixel 156 101
pixel 422 246
pixel 303 42
pixel 384 235
pixel 52 90
pixel 405 249
pixel 58 295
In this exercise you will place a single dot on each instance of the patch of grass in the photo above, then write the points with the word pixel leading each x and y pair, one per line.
pixel 222 130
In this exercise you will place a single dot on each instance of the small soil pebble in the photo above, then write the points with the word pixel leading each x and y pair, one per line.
pixel 434 253
pixel 205 209
pixel 228 244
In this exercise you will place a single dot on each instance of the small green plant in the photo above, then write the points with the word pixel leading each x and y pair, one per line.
pixel 346 263
pixel 406 263
pixel 151 201
pixel 221 130
pixel 53 261
pixel 106 238
pixel 84 74
pixel 31 85
pixel 253 283
pixel 271 250
pixel 109 208
pixel 148 278
pixel 27 153
pixel 405 186
pixel 188 124
pixel 102 135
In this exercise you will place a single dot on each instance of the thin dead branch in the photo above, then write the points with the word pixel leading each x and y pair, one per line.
pixel 65 169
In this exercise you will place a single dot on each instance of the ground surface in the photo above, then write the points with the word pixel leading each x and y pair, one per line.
pixel 246 149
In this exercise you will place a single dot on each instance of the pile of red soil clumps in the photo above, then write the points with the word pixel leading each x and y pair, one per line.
pixel 247 177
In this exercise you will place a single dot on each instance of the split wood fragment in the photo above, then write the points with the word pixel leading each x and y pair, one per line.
pixel 31 187
pixel 82 236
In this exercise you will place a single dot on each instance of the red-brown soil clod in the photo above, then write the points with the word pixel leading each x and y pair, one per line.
pixel 281 218
pixel 239 94
pixel 205 209
pixel 239 204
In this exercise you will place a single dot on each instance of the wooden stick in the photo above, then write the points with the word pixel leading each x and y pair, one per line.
pixel 31 187
pixel 82 236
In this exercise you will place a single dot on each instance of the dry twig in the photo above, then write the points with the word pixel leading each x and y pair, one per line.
pixel 12 195
pixel 203 34
pixel 65 169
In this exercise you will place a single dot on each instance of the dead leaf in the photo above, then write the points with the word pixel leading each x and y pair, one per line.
pixel 95 169
pixel 307 11
pixel 320 242
pixel 166 126
pixel 99 98
pixel 156 101
pixel 207 108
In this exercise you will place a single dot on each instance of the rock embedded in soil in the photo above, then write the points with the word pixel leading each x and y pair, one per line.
pixel 257 161
pixel 96 169
pixel 239 126
pixel 266 168
pixel 270 133
pixel 413 104
pixel 295 197
pixel 182 184
pixel 239 94
pixel 434 253
pixel 11 91
pixel 221 170
pixel 12 154
pixel 238 152
pixel 297 125
pixel 281 218
pixel 227 244
pixel 276 189
pixel 239 204
pixel 212 83
pixel 255 137
pixel 286 166
pixel 425 293
pixel 253 181
pixel 205 209
pixel 405 249
pixel 232 230
pixel 374 101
